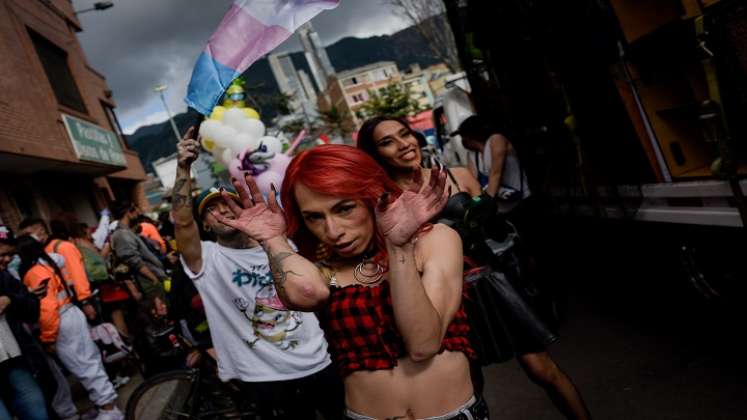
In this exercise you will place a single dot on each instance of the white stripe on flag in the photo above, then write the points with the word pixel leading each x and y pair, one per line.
pixel 289 14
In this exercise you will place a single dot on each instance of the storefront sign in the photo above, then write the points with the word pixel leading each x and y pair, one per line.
pixel 93 143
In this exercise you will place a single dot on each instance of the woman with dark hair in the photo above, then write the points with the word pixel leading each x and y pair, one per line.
pixel 396 147
pixel 63 326
pixel 20 394
pixel 388 296
pixel 392 143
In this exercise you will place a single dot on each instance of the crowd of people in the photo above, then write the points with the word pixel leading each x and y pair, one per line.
pixel 339 294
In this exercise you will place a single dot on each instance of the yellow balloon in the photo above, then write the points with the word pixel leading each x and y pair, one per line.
pixel 208 144
pixel 251 113
pixel 217 113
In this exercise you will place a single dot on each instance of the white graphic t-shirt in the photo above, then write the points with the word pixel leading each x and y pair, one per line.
pixel 256 338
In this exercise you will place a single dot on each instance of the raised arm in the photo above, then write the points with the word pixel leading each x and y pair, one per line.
pixel 467 181
pixel 423 304
pixel 498 149
pixel 300 284
pixel 185 228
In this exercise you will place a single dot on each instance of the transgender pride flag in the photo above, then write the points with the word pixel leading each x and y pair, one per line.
pixel 250 29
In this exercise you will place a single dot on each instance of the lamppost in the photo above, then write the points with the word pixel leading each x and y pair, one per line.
pixel 160 89
pixel 99 6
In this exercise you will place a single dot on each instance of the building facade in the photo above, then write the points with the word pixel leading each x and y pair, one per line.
pixel 349 90
pixel 416 80
pixel 61 146
pixel 287 79
pixel 316 55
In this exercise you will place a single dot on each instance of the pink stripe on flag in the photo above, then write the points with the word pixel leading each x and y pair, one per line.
pixel 240 39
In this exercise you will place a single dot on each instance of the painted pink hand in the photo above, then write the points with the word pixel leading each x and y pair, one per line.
pixel 259 219
pixel 399 220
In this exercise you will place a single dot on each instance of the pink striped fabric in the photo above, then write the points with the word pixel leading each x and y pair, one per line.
pixel 242 39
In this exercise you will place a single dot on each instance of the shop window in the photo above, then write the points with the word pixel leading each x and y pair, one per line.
pixel 113 121
pixel 54 61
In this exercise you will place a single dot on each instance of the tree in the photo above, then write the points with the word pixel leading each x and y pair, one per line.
pixel 393 100
pixel 334 122
pixel 279 101
pixel 293 127
pixel 428 17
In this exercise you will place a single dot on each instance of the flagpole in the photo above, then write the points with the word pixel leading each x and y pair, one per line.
pixel 160 89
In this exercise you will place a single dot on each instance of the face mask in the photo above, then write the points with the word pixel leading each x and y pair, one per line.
pixel 14 265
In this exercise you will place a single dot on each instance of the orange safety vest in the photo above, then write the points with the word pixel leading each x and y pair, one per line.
pixel 151 232
pixel 74 269
pixel 56 301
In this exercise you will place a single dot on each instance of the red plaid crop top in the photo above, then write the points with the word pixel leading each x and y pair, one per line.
pixel 362 335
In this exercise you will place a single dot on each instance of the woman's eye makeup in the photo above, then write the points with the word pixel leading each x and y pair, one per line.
pixel 346 209
pixel 312 217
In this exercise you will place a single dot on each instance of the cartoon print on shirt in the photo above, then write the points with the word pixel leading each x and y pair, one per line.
pixel 271 321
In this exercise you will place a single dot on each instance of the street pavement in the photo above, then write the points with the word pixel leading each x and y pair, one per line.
pixel 627 369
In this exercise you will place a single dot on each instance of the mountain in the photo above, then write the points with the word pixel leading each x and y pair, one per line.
pixel 404 47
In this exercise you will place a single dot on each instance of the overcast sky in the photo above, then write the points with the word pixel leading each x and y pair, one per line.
pixel 139 44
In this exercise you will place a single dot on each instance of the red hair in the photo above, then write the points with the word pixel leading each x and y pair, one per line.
pixel 336 170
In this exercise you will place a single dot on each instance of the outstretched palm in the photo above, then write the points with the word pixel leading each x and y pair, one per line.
pixel 260 220
pixel 399 220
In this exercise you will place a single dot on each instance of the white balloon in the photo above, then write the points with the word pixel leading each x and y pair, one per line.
pixel 272 143
pixel 208 128
pixel 254 128
pixel 227 157
pixel 224 134
pixel 218 153
pixel 243 141
pixel 233 117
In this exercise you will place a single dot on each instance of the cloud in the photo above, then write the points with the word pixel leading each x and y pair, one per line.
pixel 155 117
pixel 139 44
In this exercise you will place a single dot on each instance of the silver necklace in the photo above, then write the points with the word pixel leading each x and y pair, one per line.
pixel 368 272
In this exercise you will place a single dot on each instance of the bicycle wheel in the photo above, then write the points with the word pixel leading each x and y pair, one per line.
pixel 166 396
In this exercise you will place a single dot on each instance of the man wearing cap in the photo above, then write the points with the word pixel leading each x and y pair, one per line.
pixel 280 356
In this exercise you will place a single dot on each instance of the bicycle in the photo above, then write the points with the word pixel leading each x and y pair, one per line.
pixel 188 394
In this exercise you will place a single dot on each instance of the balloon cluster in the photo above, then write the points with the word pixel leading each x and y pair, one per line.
pixel 236 137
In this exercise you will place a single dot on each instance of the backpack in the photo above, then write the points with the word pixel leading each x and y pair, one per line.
pixel 95 264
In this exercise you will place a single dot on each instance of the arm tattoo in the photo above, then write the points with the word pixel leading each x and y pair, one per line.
pixel 180 199
pixel 278 274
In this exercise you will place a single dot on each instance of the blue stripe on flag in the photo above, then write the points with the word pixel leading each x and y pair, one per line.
pixel 209 80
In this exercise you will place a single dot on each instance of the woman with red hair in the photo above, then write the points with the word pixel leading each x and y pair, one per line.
pixel 388 295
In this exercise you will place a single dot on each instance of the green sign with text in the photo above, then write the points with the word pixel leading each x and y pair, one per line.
pixel 93 143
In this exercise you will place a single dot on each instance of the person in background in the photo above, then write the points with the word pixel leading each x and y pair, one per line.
pixel 74 273
pixel 496 163
pixel 394 145
pixel 131 250
pixel 113 296
pixel 20 395
pixel 63 327
pixel 278 355
pixel 54 385
pixel 146 227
